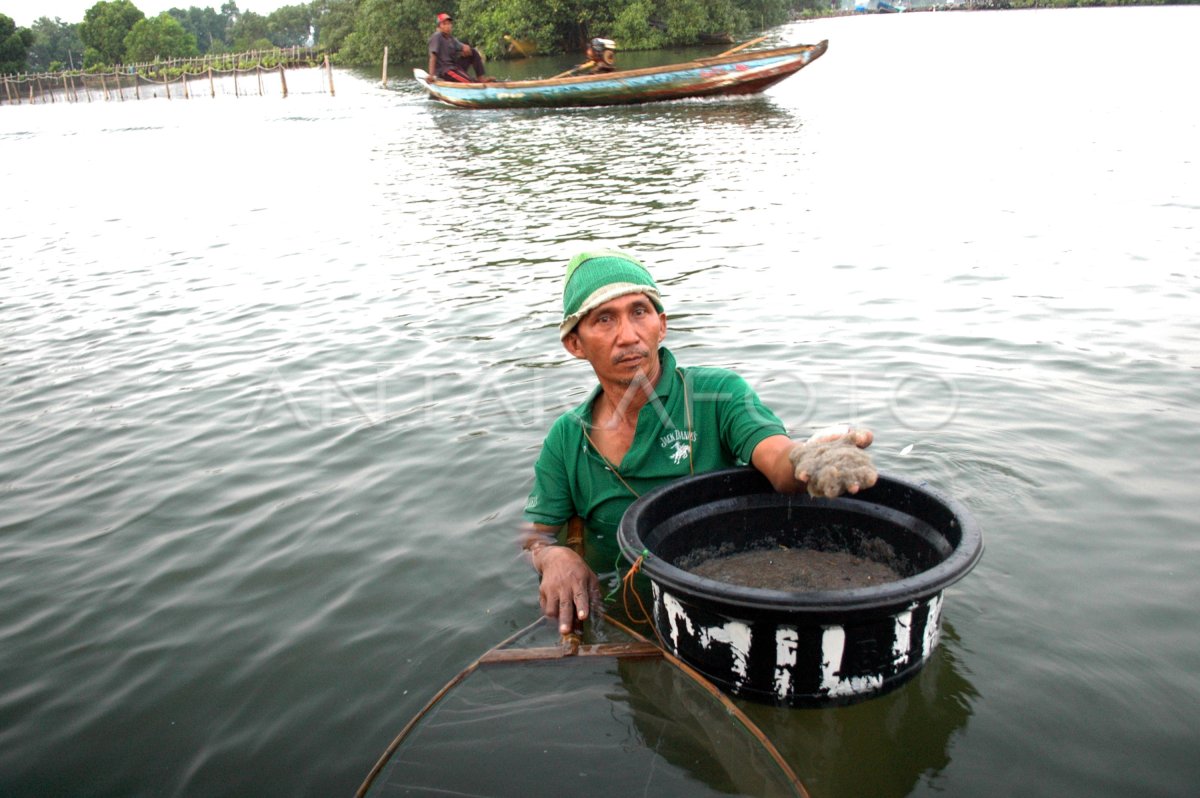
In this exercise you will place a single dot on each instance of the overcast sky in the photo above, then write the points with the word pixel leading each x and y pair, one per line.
pixel 24 12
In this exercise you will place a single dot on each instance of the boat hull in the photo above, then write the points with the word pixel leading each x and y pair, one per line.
pixel 737 73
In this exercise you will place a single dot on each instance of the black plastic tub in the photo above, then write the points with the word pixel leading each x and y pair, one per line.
pixel 799 648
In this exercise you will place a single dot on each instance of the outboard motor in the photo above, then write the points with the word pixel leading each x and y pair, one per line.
pixel 604 50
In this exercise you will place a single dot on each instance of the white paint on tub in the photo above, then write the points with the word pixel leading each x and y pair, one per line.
pixel 833 643
pixel 833 684
pixel 903 635
pixel 656 604
pixel 675 612
pixel 786 640
pixel 734 634
pixel 933 627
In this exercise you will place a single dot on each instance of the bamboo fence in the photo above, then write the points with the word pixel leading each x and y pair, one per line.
pixel 258 72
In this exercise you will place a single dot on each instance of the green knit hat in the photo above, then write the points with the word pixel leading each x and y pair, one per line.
pixel 594 278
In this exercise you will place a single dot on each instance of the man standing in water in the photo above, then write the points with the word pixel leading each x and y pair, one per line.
pixel 450 59
pixel 649 422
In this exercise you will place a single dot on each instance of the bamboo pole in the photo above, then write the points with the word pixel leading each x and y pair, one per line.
pixel 329 72
pixel 137 85
pixel 741 46
pixel 183 79
pixel 212 87
pixel 283 79
pixel 7 90
pixel 66 90
pixel 258 74
pixel 383 80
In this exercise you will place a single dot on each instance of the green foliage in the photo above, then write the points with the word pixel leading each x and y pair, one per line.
pixel 333 21
pixel 567 25
pixel 14 44
pixel 205 24
pixel 247 28
pixel 290 25
pixel 160 37
pixel 485 23
pixel 55 42
pixel 763 14
pixel 683 20
pixel 632 29
pixel 403 26
pixel 104 28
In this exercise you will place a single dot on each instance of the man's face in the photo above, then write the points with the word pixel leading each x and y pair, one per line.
pixel 445 26
pixel 620 338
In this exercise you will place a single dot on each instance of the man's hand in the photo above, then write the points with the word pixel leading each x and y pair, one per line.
pixel 832 462
pixel 569 588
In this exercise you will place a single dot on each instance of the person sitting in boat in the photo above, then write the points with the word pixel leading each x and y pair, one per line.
pixel 601 55
pixel 450 59
pixel 649 422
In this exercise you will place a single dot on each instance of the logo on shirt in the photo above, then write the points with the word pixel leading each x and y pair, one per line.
pixel 677 445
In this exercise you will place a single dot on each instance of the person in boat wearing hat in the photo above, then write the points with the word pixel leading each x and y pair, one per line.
pixel 601 55
pixel 650 421
pixel 450 59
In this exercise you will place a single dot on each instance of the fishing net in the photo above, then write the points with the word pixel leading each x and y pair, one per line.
pixel 611 716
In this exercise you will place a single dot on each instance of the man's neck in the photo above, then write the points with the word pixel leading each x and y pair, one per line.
pixel 620 403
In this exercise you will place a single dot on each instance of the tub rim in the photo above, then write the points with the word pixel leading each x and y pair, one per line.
pixel 962 558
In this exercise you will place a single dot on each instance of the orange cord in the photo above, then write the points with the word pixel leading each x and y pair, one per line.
pixel 628 588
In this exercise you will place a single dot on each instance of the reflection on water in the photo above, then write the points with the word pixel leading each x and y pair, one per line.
pixel 884 746
pixel 593 725
pixel 644 725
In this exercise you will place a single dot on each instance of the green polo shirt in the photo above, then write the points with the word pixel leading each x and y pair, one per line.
pixel 571 478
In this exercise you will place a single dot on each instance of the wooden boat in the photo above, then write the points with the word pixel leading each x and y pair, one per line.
pixel 731 73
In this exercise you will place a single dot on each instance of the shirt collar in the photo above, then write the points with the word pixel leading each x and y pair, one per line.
pixel 667 380
pixel 669 377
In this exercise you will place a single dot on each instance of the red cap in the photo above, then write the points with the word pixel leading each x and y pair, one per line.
pixel 443 17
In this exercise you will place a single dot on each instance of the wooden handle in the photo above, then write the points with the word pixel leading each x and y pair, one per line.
pixel 588 65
